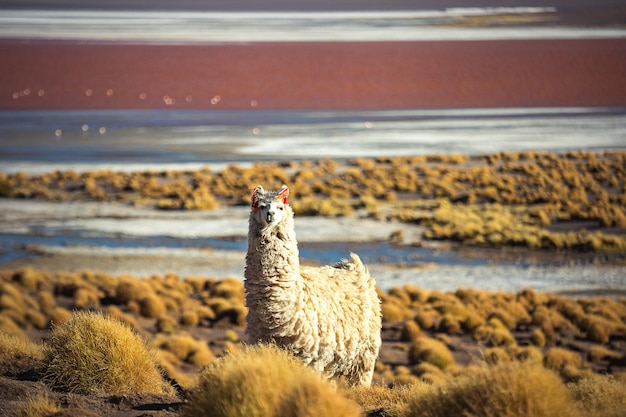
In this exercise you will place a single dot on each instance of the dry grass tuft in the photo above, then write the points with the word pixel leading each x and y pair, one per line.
pixel 508 390
pixel 493 200
pixel 19 355
pixel 556 358
pixel 600 396
pixel 496 355
pixel 131 290
pixel 152 306
pixel 385 401
pixel 186 348
pixel 38 406
pixel 432 351
pixel 92 353
pixel 410 331
pixel 264 381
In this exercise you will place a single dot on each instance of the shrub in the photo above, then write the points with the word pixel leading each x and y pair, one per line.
pixel 598 353
pixel 186 348
pixel 427 319
pixel 19 355
pixel 600 396
pixel 37 406
pixel 393 312
pixel 538 338
pixel 529 354
pixel 496 355
pixel 29 278
pixel 60 315
pixel 500 337
pixel 410 331
pixel 261 381
pixel 508 390
pixel 152 307
pixel 449 324
pixel 429 373
pixel 166 324
pixel 131 290
pixel 392 401
pixel 92 353
pixel 432 351
pixel 599 331
pixel 86 298
pixel 230 289
pixel 472 321
pixel 189 318
pixel 46 301
pixel 8 326
pixel 557 357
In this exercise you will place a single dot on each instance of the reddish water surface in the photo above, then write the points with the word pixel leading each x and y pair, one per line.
pixel 313 75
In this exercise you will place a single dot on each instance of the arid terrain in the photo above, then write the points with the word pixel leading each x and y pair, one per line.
pixel 431 339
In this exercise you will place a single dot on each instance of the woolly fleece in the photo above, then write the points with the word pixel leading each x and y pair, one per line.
pixel 330 317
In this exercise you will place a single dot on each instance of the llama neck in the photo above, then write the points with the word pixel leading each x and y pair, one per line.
pixel 273 255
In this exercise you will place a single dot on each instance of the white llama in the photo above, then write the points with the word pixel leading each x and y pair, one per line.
pixel 330 317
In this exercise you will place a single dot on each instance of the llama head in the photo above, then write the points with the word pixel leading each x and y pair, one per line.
pixel 268 207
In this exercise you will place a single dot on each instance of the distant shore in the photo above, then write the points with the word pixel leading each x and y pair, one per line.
pixel 50 75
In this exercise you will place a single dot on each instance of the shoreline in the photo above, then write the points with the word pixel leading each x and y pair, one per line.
pixel 496 269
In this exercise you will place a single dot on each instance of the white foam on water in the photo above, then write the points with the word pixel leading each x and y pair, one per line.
pixel 198 26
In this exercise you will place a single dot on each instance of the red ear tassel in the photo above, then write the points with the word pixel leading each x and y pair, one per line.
pixel 284 192
pixel 253 201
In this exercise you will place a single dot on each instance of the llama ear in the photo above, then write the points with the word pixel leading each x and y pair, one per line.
pixel 254 199
pixel 284 193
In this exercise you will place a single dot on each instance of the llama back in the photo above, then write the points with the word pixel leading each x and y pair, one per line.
pixel 348 318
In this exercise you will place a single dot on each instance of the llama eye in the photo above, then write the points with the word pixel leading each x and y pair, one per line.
pixel 281 208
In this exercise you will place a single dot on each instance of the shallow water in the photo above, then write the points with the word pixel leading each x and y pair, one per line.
pixel 41 141
pixel 214 244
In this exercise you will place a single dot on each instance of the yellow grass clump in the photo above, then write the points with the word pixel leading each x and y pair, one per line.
pixel 430 350
pixel 504 199
pixel 265 381
pixel 92 353
pixel 508 390
pixel 600 396
pixel 392 400
pixel 186 348
pixel 410 331
pixel 556 358
pixel 152 306
pixel 38 406
pixel 19 355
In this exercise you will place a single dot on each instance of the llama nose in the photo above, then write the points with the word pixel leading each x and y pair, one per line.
pixel 270 216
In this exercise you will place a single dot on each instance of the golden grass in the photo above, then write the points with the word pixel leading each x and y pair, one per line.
pixel 392 400
pixel 556 358
pixel 19 354
pixel 494 200
pixel 38 406
pixel 600 396
pixel 264 381
pixel 432 351
pixel 92 353
pixel 152 306
pixel 410 331
pixel 422 332
pixel 185 348
pixel 508 390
